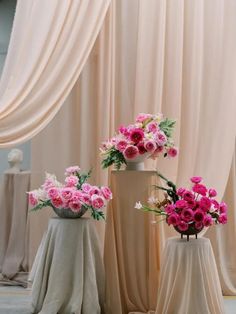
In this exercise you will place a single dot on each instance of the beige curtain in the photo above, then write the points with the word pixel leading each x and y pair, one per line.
pixel 171 56
pixel 49 46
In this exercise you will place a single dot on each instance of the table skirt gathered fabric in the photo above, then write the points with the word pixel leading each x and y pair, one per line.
pixel 132 258
pixel 68 273
pixel 189 282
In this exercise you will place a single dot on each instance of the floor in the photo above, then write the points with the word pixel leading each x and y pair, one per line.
pixel 16 300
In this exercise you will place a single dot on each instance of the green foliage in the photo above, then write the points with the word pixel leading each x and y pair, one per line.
pixel 97 215
pixel 171 188
pixel 167 126
pixel 83 178
pixel 41 205
pixel 113 156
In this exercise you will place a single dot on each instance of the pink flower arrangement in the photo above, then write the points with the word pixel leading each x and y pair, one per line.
pixel 73 195
pixel 188 210
pixel 150 135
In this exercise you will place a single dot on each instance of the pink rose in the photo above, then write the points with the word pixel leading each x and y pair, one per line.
pixel 86 199
pixel 198 225
pixel 142 117
pixel 161 138
pixel 152 127
pixel 223 207
pixel 94 191
pixel 188 195
pixel 97 201
pixel 86 187
pixel 71 170
pixel 172 152
pixel 191 203
pixel 123 130
pixel 67 193
pixel 33 199
pixel 212 192
pixel 150 146
pixel 75 206
pixel 141 148
pixel 181 191
pixel 170 208
pixel 205 203
pixel 71 181
pixel 121 145
pixel 181 204
pixel 106 192
pixel 182 226
pixel 223 218
pixel 196 179
pixel 215 204
pixel 53 193
pixel 77 196
pixel 57 202
pixel 187 214
pixel 136 135
pixel 131 152
pixel 48 184
pixel 198 215
pixel 200 189
pixel 207 221
pixel 173 219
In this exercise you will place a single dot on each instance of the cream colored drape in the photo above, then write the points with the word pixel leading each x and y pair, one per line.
pixel 49 46
pixel 171 56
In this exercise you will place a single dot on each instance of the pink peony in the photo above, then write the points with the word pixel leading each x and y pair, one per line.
pixel 161 138
pixel 143 116
pixel 198 215
pixel 200 189
pixel 188 195
pixel 141 148
pixel 131 152
pixel 97 201
pixel 223 207
pixel 86 187
pixel 181 191
pixel 106 192
pixel 57 202
pixel 121 145
pixel 198 225
pixel 71 170
pixel 212 192
pixel 223 218
pixel 53 192
pixel 207 221
pixel 33 199
pixel 181 204
pixel 75 206
pixel 150 146
pixel 187 214
pixel 172 152
pixel 94 191
pixel 77 196
pixel 86 199
pixel 71 181
pixel 182 226
pixel 173 219
pixel 136 135
pixel 67 193
pixel 170 208
pixel 152 127
pixel 196 179
pixel 205 203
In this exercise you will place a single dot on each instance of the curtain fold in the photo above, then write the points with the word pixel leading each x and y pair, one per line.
pixel 44 61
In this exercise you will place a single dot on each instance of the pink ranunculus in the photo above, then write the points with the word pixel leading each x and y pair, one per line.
pixel 67 193
pixel 143 116
pixel 75 206
pixel 97 201
pixel 223 207
pixel 180 191
pixel 205 203
pixel 136 135
pixel 71 181
pixel 207 221
pixel 141 148
pixel 33 199
pixel 198 225
pixel 198 215
pixel 200 189
pixel 121 145
pixel 57 202
pixel 86 187
pixel 187 214
pixel 131 152
pixel 191 203
pixel 172 152
pixel 106 192
pixel 181 204
pixel 71 170
pixel 188 195
pixel 169 209
pixel 150 146
pixel 152 127
pixel 53 193
pixel 212 192
pixel 215 204
pixel 182 226
pixel 173 219
pixel 94 191
pixel 223 218
pixel 161 138
pixel 196 179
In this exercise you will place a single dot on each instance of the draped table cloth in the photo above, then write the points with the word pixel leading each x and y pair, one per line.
pixel 189 282
pixel 68 273
pixel 13 228
pixel 131 245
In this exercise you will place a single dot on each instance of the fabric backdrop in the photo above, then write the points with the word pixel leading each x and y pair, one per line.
pixel 171 56
pixel 44 60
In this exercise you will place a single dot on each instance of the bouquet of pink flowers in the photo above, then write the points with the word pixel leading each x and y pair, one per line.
pixel 188 210
pixel 150 135
pixel 75 195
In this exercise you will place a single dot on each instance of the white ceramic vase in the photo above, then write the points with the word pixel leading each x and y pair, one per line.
pixel 137 163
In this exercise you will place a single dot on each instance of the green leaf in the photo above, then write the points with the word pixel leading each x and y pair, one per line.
pixel 167 126
pixel 113 156
pixel 41 205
